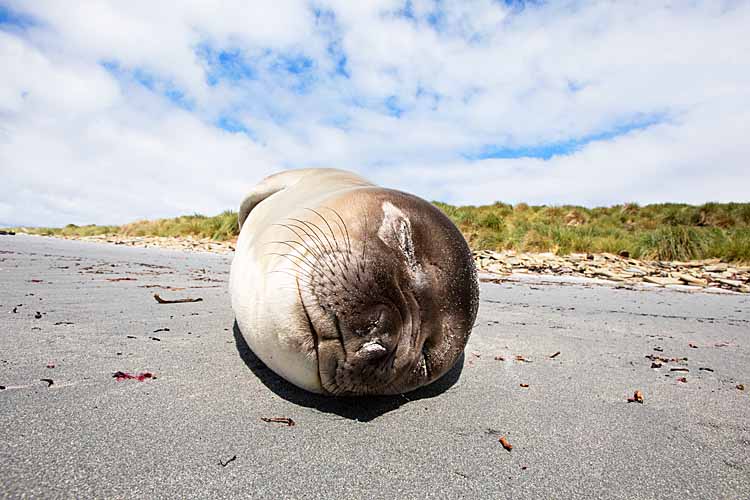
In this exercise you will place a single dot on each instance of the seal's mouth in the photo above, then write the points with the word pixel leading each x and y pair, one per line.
pixel 363 324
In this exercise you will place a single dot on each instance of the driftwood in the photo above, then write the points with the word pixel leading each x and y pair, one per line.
pixel 281 420
pixel 176 301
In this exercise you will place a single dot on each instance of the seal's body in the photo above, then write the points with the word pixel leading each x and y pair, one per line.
pixel 346 288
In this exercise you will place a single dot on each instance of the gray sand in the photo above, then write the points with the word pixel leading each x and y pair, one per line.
pixel 574 435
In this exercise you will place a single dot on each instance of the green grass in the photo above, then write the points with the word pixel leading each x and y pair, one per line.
pixel 667 231
pixel 220 227
pixel 71 230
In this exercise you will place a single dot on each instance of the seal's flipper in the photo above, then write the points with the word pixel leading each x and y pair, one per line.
pixel 268 186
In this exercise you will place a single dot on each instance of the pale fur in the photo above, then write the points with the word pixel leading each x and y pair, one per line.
pixel 264 292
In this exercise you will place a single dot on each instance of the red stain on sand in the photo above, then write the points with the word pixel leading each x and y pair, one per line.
pixel 140 377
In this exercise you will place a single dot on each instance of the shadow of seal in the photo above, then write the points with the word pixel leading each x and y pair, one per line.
pixel 361 409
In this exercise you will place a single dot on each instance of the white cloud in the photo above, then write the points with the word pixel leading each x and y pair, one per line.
pixel 420 89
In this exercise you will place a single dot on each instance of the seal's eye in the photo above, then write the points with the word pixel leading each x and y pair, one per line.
pixel 368 329
pixel 372 324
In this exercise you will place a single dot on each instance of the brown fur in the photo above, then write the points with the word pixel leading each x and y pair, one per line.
pixel 410 285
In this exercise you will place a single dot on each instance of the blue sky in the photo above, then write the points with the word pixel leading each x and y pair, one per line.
pixel 11 18
pixel 568 146
pixel 115 111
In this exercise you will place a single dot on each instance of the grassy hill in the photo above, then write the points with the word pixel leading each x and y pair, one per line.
pixel 668 231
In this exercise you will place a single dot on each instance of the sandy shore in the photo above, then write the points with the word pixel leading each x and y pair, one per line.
pixel 76 313
pixel 710 275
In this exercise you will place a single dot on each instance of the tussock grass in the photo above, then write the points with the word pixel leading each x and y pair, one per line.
pixel 666 231
pixel 71 230
pixel 220 227
pixel 673 243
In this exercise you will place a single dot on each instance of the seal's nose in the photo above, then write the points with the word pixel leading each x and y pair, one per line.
pixel 372 350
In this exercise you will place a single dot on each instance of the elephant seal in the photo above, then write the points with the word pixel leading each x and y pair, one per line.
pixel 346 288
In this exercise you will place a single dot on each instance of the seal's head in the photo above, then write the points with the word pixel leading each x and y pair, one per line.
pixel 390 292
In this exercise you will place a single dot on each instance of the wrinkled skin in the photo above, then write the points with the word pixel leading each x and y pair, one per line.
pixel 394 316
pixel 387 290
